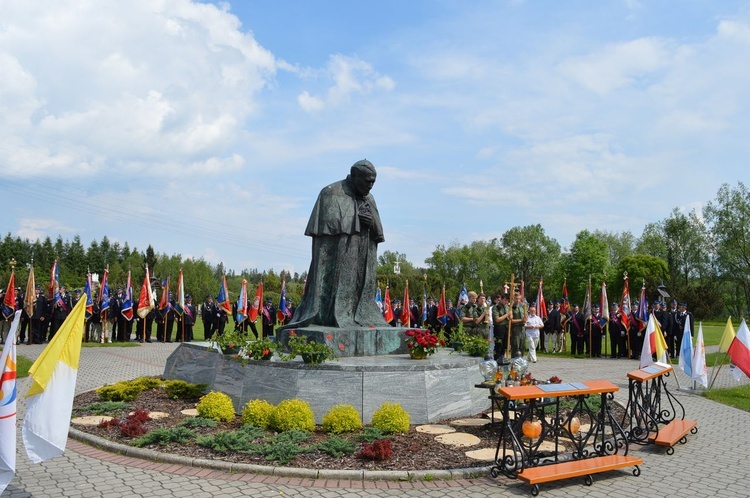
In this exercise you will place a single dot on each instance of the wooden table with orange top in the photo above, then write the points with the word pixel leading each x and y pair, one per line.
pixel 600 448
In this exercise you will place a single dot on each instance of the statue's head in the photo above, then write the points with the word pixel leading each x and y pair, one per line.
pixel 363 177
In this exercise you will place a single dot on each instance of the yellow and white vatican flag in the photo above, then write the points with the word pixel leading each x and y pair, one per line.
pixel 8 396
pixel 49 401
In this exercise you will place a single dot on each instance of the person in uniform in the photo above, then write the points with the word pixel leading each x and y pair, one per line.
pixel 518 331
pixel 414 315
pixel 554 328
pixel 209 315
pixel 25 319
pixel 396 313
pixel 501 320
pixel 451 320
pixel 617 333
pixel 577 331
pixel 475 316
pixel 433 324
pixel 674 333
pixel 597 331
pixel 269 318
pixel 61 307
pixel 38 317
pixel 187 319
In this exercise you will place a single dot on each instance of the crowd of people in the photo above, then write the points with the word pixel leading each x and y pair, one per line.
pixel 517 328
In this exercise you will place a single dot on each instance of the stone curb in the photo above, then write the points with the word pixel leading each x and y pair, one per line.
pixel 356 475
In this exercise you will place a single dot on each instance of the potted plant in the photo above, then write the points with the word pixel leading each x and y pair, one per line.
pixel 476 345
pixel 230 342
pixel 422 343
pixel 260 349
pixel 312 352
pixel 458 339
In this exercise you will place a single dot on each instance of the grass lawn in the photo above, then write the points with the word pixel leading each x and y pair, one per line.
pixel 739 397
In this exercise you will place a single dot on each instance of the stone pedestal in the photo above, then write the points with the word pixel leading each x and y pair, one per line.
pixel 431 390
pixel 353 342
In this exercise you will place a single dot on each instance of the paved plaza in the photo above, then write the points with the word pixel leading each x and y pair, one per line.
pixel 714 462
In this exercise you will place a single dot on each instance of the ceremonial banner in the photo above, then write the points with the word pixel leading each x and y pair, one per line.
pixel 8 397
pixel 49 401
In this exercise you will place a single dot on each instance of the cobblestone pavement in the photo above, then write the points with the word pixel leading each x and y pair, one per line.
pixel 714 462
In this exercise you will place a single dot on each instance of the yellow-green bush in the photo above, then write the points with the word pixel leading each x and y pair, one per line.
pixel 390 417
pixel 292 414
pixel 120 391
pixel 217 406
pixel 146 383
pixel 342 418
pixel 257 412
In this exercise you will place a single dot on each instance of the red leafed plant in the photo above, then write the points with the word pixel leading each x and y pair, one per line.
pixel 106 424
pixel 140 415
pixel 422 341
pixel 380 450
pixel 132 428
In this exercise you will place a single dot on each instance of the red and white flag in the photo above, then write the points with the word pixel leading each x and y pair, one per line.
pixel 739 351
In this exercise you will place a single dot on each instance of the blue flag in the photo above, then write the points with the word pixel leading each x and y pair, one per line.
pixel 686 351
pixel 463 298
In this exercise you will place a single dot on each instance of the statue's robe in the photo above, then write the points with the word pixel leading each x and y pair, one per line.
pixel 341 283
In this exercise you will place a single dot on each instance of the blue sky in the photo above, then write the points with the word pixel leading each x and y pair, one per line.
pixel 207 129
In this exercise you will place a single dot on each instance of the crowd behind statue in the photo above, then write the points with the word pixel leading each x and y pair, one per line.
pixel 111 322
pixel 565 328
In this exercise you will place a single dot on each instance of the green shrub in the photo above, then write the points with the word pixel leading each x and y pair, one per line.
pixel 283 447
pixel 292 414
pixel 337 446
pixel 179 389
pixel 217 406
pixel 121 391
pixel 103 407
pixel 342 418
pixel 371 434
pixel 197 423
pixel 391 418
pixel 257 412
pixel 164 436
pixel 223 441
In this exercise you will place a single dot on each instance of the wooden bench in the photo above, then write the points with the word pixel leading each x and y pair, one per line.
pixel 576 468
pixel 673 432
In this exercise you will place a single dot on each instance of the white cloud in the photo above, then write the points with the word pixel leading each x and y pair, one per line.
pixel 38 228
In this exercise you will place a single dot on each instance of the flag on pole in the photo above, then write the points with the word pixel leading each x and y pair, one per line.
pixel 442 310
pixel 604 302
pixel 8 397
pixel 49 401
pixel 179 303
pixel 463 298
pixel 686 351
pixel 223 298
pixel 387 310
pixel 146 299
pixel 641 315
pixel 53 291
pixel 423 319
pixel 587 302
pixel 625 305
pixel 739 351
pixel 89 299
pixel 257 303
pixel 653 343
pixel 565 305
pixel 282 312
pixel 405 314
pixel 164 301
pixel 700 372
pixel 9 301
pixel 541 304
pixel 379 300
pixel 104 294
pixel 241 314
pixel 30 297
pixel 728 336
pixel 127 305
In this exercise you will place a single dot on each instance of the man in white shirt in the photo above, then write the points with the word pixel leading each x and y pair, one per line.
pixel 533 325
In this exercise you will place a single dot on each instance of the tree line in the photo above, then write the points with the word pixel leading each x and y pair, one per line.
pixel 700 257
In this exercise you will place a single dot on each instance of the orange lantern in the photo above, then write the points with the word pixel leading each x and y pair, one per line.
pixel 532 428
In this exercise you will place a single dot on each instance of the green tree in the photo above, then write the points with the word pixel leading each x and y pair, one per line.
pixel 728 218
pixel 619 244
pixel 641 269
pixel 531 254
pixel 588 257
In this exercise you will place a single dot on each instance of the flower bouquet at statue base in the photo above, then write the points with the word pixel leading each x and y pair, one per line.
pixel 422 343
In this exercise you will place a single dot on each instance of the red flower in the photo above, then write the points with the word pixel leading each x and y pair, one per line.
pixel 291 332
pixel 265 352
pixel 341 347
pixel 329 336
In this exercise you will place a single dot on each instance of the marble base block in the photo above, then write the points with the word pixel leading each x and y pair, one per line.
pixel 431 390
